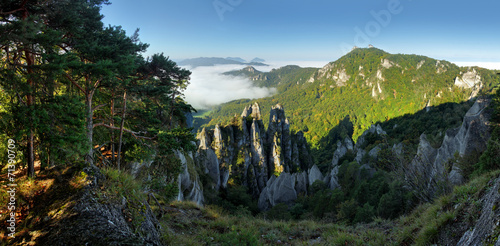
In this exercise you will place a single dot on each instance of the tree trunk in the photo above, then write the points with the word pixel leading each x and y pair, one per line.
pixel 112 123
pixel 121 129
pixel 171 113
pixel 90 127
pixel 30 155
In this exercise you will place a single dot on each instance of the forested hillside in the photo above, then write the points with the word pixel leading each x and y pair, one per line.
pixel 76 95
pixel 366 86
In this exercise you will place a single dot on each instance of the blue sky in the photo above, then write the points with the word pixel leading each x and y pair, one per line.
pixel 312 30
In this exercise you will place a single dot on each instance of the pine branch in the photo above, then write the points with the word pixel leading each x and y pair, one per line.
pixel 76 84
pixel 135 134
pixel 98 106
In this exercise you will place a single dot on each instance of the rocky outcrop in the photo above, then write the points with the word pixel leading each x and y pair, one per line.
pixel 188 181
pixel 98 220
pixel 331 71
pixel 278 190
pixel 420 64
pixel 301 183
pixel 470 137
pixel 486 227
pixel 136 168
pixel 373 153
pixel 190 187
pixel 252 111
pixel 470 80
pixel 206 158
pixel 386 63
pixel 245 153
pixel 342 149
pixel 314 174
pixel 332 180
pixel 372 130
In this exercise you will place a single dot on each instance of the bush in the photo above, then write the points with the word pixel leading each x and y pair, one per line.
pixel 236 198
pixel 317 186
pixel 347 210
pixel 279 212
pixel 391 204
pixel 467 163
pixel 490 159
pixel 297 210
pixel 365 214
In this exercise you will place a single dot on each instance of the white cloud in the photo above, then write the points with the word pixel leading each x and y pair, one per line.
pixel 488 65
pixel 209 87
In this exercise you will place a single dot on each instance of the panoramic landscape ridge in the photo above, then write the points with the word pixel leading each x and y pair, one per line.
pixel 108 141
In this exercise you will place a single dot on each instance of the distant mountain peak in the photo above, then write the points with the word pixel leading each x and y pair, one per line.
pixel 212 61
pixel 238 59
pixel 250 69
pixel 256 59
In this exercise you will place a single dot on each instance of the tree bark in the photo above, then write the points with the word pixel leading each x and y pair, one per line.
pixel 90 127
pixel 121 129
pixel 89 94
pixel 30 155
pixel 112 123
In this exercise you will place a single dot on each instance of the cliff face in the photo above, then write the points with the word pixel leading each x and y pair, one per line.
pixel 432 169
pixel 276 166
pixel 245 153
pixel 438 165
pixel 485 230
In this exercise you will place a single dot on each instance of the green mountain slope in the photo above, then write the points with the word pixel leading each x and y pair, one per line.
pixel 366 85
pixel 282 78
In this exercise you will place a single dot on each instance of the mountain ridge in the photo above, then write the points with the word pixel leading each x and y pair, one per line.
pixel 212 61
pixel 375 76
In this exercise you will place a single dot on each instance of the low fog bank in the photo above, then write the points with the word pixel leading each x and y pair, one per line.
pixel 208 87
pixel 488 65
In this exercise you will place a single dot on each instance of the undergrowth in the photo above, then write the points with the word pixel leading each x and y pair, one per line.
pixel 186 223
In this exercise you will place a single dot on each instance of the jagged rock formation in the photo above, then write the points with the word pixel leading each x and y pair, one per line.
pixel 244 153
pixel 347 145
pixel 470 80
pixel 265 161
pixel 190 187
pixel 314 174
pixel 342 149
pixel 188 180
pixel 470 137
pixel 432 169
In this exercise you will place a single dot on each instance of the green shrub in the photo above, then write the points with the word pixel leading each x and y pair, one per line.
pixel 279 212
pixel 365 214
pixel 297 210
pixel 237 237
pixel 347 210
pixel 490 159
